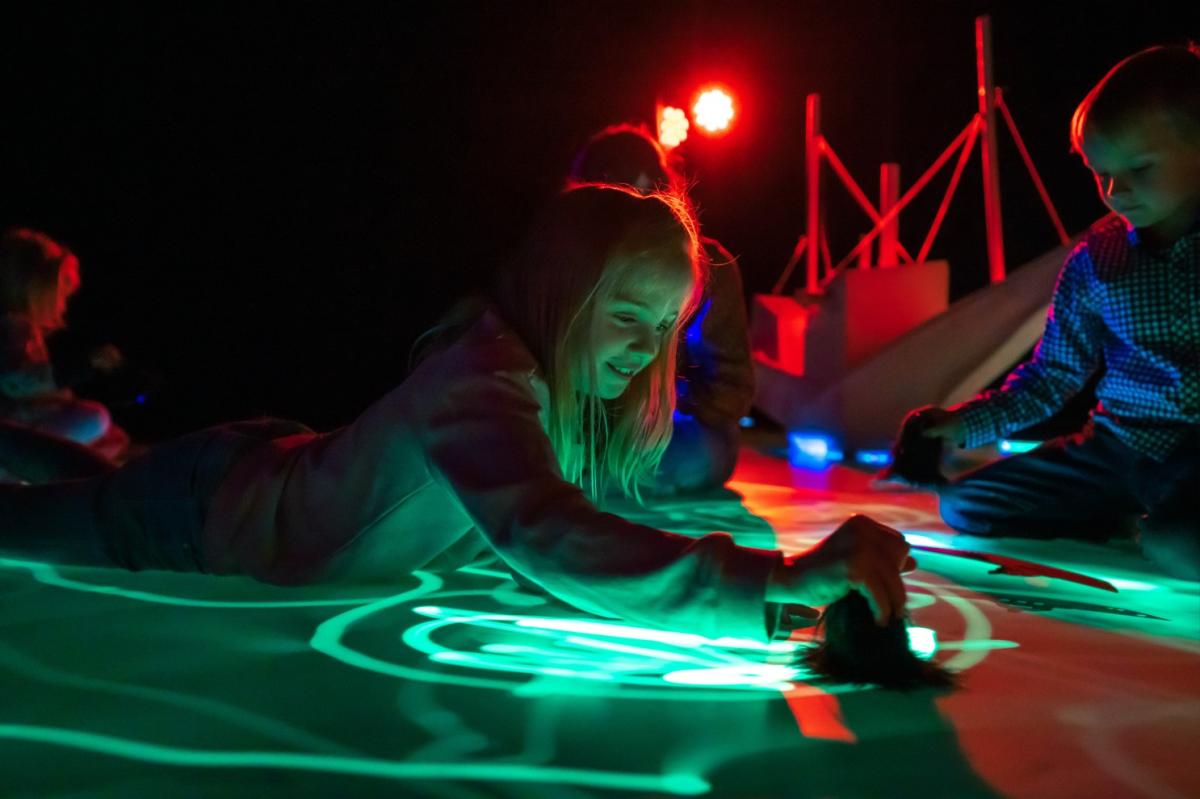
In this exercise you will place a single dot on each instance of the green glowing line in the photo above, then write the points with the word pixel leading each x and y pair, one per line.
pixel 776 647
pixel 772 678
pixel 978 628
pixel 486 573
pixel 468 659
pixel 48 575
pixel 652 654
pixel 615 631
pixel 328 640
pixel 1132 585
pixel 710 667
pixel 995 643
pixel 681 784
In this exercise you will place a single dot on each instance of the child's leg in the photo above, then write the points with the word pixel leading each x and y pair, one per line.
pixel 39 457
pixel 153 508
pixel 1077 487
pixel 67 416
pixel 148 514
pixel 1170 533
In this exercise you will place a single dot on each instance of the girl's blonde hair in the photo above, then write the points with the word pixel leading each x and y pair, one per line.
pixel 37 277
pixel 592 242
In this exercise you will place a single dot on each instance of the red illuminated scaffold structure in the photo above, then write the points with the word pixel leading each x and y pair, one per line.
pixel 847 356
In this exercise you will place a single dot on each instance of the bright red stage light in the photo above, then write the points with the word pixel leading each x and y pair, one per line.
pixel 672 126
pixel 713 110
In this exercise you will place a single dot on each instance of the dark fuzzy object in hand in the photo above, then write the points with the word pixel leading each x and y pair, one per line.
pixel 856 650
pixel 916 460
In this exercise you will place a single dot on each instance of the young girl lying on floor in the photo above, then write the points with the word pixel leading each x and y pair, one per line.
pixel 562 380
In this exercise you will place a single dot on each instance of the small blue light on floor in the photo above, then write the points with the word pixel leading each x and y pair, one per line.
pixel 873 457
pixel 1009 447
pixel 140 399
pixel 746 421
pixel 812 450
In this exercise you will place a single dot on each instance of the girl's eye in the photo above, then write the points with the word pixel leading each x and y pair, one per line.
pixel 625 318
pixel 663 327
pixel 1137 170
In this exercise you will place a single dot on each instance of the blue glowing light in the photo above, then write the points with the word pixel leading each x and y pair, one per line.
pixel 140 399
pixel 873 457
pixel 1012 447
pixel 812 450
pixel 746 421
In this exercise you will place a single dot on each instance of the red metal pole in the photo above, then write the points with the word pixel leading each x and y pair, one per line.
pixel 913 191
pixel 1033 173
pixel 839 169
pixel 938 218
pixel 812 176
pixel 889 193
pixel 991 170
pixel 797 251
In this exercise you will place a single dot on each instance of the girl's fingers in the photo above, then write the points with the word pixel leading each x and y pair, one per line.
pixel 877 597
pixel 797 616
pixel 897 596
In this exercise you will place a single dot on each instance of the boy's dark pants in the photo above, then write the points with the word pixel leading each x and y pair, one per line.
pixel 1092 486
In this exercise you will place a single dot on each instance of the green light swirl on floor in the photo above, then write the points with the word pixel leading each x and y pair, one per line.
pixel 605 652
pixel 679 784
pixel 49 575
pixel 581 673
pixel 585 656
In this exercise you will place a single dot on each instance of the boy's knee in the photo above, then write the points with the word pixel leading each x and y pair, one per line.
pixel 960 510
pixel 1173 544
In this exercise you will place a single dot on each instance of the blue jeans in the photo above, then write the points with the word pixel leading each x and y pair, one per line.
pixel 1091 486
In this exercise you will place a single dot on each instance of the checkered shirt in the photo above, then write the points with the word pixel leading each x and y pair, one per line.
pixel 1129 309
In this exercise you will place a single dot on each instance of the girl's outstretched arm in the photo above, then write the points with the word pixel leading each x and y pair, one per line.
pixel 486 442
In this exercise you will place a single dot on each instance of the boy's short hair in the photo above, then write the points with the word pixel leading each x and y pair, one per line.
pixel 1163 78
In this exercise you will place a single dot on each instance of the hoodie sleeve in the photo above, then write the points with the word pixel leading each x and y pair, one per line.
pixel 483 438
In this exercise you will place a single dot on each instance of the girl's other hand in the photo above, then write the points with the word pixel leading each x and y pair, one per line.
pixel 861 555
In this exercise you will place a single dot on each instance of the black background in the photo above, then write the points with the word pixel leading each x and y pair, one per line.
pixel 271 200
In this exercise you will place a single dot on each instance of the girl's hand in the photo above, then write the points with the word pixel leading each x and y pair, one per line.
pixel 862 555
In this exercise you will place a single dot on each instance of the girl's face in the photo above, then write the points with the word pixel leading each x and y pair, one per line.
pixel 628 330
pixel 1147 173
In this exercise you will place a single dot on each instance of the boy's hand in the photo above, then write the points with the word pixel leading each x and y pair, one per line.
pixel 862 555
pixel 943 424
